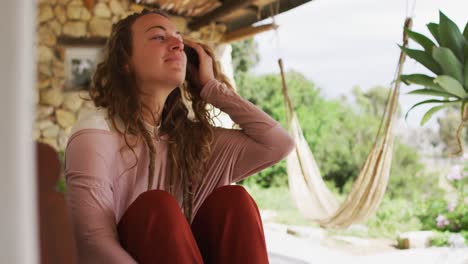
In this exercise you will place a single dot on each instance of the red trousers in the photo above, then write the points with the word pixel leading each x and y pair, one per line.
pixel 227 229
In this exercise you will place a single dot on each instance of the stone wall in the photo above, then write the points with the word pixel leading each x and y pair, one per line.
pixel 57 110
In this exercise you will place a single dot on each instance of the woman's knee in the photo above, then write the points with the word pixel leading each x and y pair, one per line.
pixel 233 197
pixel 157 202
pixel 155 196
pixel 231 190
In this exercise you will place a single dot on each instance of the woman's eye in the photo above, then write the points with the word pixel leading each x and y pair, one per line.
pixel 158 37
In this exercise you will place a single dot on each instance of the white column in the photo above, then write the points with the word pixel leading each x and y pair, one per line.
pixel 223 53
pixel 18 221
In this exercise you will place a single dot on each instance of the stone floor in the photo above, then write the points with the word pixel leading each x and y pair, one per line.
pixel 279 259
pixel 314 247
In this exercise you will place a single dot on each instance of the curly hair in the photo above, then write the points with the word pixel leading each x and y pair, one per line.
pixel 189 138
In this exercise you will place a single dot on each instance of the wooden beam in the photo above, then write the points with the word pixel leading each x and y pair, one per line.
pixel 247 32
pixel 225 9
pixel 265 12
pixel 157 6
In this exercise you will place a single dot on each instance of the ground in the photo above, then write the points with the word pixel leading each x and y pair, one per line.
pixel 299 245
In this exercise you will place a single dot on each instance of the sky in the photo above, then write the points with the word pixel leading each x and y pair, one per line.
pixel 339 44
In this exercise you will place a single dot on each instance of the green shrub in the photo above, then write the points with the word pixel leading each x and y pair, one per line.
pixel 61 186
pixel 393 216
pixel 442 239
pixel 438 214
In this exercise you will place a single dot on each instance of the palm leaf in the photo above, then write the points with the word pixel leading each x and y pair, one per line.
pixel 422 40
pixel 451 85
pixel 466 74
pixel 465 32
pixel 434 29
pixel 451 66
pixel 450 36
pixel 431 92
pixel 466 50
pixel 420 79
pixel 431 101
pixel 434 110
pixel 423 58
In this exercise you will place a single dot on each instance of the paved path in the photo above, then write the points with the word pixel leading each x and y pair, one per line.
pixel 280 259
pixel 284 248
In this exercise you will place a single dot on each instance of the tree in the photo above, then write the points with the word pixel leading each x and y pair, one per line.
pixel 374 100
pixel 265 92
pixel 339 134
pixel 244 57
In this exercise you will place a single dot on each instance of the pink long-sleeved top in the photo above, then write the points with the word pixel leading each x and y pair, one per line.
pixel 100 187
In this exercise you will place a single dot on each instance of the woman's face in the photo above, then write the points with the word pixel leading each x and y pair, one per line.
pixel 158 55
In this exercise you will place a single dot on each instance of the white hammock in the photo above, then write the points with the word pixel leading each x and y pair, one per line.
pixel 309 192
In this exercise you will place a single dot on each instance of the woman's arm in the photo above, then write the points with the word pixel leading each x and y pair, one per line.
pixel 90 199
pixel 262 141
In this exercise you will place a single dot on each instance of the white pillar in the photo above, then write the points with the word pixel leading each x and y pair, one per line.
pixel 18 221
pixel 223 53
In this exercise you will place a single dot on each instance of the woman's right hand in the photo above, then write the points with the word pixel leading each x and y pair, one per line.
pixel 206 72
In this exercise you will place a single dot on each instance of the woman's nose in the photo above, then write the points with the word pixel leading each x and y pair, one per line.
pixel 176 44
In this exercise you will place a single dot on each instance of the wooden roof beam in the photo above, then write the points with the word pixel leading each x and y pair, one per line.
pixel 247 32
pixel 265 12
pixel 227 7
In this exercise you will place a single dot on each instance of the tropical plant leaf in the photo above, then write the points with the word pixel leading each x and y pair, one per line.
pixel 431 101
pixel 465 32
pixel 466 74
pixel 423 58
pixel 466 51
pixel 450 36
pixel 434 29
pixel 451 66
pixel 451 85
pixel 431 92
pixel 422 40
pixel 420 79
pixel 427 116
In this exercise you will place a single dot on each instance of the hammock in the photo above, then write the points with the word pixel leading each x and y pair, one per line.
pixel 309 192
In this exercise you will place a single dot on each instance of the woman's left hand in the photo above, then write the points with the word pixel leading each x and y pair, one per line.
pixel 206 62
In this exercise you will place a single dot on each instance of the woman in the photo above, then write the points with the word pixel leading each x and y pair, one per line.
pixel 149 183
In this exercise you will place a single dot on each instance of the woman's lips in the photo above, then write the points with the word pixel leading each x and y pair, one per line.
pixel 173 58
